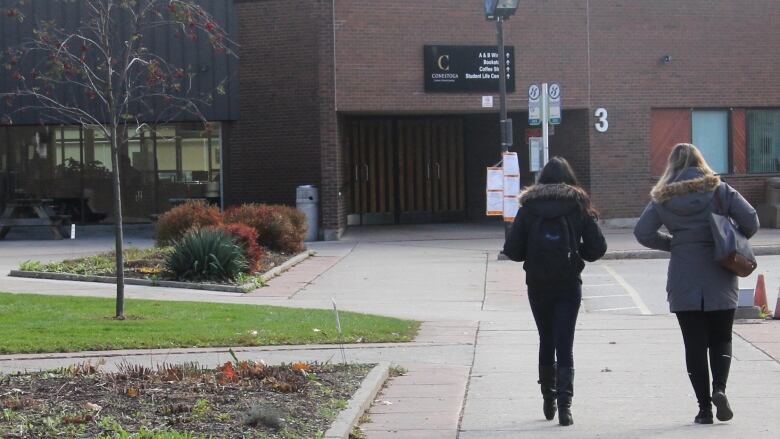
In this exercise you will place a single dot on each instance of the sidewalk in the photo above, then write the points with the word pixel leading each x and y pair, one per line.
pixel 472 370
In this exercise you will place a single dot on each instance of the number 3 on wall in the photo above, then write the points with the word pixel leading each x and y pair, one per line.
pixel 603 124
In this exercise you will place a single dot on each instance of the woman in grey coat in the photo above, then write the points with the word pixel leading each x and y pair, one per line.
pixel 701 293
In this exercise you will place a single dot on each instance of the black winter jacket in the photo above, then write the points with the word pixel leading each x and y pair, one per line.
pixel 551 201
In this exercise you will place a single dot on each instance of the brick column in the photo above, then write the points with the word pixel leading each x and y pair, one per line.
pixel 331 198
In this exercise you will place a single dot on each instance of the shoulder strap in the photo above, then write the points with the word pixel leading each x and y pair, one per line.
pixel 718 202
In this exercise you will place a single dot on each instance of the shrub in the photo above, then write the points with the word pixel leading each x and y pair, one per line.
pixel 246 238
pixel 206 254
pixel 173 224
pixel 280 228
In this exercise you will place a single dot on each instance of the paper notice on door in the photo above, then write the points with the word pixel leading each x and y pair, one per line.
pixel 511 206
pixel 495 179
pixel 511 165
pixel 511 185
pixel 495 203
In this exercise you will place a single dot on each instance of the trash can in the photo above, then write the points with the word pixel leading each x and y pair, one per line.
pixel 773 191
pixel 769 212
pixel 308 200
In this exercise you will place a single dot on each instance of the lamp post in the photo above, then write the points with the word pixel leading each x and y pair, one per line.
pixel 498 11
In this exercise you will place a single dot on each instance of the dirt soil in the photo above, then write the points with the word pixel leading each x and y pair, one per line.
pixel 236 400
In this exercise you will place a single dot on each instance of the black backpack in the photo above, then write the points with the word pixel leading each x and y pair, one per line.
pixel 552 259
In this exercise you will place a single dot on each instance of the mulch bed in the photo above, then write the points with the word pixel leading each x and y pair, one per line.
pixel 238 399
pixel 155 265
pixel 144 264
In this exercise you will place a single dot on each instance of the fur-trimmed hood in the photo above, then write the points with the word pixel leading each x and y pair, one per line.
pixel 703 184
pixel 553 200
pixel 558 191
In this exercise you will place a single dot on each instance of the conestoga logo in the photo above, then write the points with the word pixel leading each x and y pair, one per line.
pixel 443 62
pixel 443 65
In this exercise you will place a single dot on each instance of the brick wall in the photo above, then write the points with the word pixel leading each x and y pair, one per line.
pixel 605 53
pixel 720 50
pixel 275 146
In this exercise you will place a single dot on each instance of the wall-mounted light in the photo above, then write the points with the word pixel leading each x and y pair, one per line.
pixel 666 59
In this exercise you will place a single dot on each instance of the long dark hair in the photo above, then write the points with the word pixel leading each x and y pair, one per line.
pixel 559 171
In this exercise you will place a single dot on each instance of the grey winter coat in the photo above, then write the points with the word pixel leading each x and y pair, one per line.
pixel 696 282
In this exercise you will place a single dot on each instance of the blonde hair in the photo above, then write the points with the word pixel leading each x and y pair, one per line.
pixel 682 157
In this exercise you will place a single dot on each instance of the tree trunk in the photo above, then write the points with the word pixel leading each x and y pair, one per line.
pixel 120 263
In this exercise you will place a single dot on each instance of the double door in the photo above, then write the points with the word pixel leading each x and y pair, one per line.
pixel 406 170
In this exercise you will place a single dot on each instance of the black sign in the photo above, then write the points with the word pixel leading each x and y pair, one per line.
pixel 467 68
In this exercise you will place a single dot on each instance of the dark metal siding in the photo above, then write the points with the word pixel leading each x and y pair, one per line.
pixel 213 68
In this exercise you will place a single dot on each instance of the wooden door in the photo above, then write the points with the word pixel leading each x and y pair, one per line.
pixel 369 146
pixel 431 170
pixel 408 170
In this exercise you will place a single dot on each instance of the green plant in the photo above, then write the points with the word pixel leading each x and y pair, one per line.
pixel 279 228
pixel 175 223
pixel 31 266
pixel 206 254
pixel 397 371
pixel 201 409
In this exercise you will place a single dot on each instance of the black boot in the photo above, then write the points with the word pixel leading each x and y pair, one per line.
pixel 565 387
pixel 704 416
pixel 547 382
pixel 720 362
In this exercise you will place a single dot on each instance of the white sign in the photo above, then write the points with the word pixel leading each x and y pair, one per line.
pixel 534 105
pixel 555 103
pixel 512 185
pixel 495 203
pixel 536 153
pixel 602 125
pixel 487 101
pixel 511 206
pixel 495 179
pixel 511 164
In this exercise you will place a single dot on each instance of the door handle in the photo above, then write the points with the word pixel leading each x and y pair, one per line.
pixel 438 171
pixel 428 170
pixel 365 167
pixel 357 173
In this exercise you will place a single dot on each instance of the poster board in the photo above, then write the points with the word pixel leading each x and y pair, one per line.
pixel 511 206
pixel 512 185
pixel 511 164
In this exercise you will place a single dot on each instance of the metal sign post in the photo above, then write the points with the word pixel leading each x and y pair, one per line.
pixel 545 126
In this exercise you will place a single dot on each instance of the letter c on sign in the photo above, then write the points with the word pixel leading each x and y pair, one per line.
pixel 443 62
pixel 602 125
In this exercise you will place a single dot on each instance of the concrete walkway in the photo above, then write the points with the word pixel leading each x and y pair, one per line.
pixel 472 370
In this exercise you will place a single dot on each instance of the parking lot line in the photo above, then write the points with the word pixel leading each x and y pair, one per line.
pixel 630 290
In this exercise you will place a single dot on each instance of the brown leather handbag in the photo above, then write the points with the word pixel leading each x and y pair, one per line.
pixel 732 248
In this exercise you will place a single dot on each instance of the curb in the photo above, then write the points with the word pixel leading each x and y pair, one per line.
pixel 241 289
pixel 758 250
pixel 359 403
pixel 290 263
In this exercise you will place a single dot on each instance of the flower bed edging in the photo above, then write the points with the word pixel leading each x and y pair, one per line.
pixel 270 274
pixel 359 403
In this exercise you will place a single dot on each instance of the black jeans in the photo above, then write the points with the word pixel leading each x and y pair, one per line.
pixel 556 316
pixel 707 332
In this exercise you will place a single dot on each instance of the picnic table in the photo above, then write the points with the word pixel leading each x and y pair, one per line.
pixel 31 212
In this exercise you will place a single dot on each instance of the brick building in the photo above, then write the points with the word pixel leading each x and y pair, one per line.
pixel 332 93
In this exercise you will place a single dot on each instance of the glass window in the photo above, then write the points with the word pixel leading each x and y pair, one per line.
pixel 68 145
pixel 763 135
pixel 194 155
pixel 166 153
pixel 711 135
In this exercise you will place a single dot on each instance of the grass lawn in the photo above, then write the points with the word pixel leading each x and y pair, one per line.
pixel 35 323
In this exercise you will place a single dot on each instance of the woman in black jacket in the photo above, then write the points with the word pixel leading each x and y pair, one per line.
pixel 555 229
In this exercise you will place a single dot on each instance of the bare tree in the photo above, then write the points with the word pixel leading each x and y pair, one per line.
pixel 103 73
